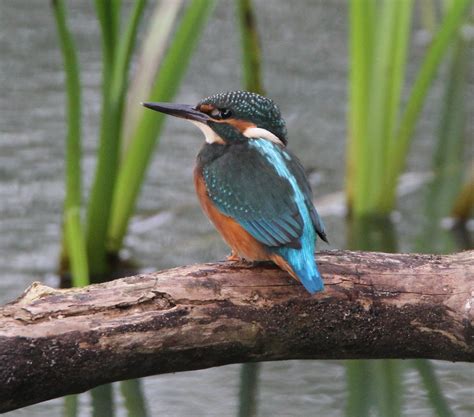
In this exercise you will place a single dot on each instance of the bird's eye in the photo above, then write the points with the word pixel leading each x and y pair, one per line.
pixel 226 113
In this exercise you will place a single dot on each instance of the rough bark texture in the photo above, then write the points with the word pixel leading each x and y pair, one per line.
pixel 376 305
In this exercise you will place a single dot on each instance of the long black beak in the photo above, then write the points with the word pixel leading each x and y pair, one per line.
pixel 184 111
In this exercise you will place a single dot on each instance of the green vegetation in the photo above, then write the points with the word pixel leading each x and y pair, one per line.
pixel 380 130
pixel 116 53
pixel 143 137
pixel 74 236
pixel 121 162
pixel 377 385
pixel 448 154
pixel 251 50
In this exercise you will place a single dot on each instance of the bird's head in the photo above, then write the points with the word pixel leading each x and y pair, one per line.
pixel 231 117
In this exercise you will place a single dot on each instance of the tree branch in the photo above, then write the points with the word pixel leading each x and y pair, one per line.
pixel 376 305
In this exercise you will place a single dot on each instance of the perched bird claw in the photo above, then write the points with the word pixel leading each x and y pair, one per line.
pixel 238 261
pixel 233 257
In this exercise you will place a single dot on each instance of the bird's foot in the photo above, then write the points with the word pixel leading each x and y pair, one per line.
pixel 239 261
pixel 233 257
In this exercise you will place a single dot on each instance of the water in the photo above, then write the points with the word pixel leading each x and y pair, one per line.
pixel 305 66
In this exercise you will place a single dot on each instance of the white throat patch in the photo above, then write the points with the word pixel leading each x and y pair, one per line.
pixel 210 135
pixel 257 132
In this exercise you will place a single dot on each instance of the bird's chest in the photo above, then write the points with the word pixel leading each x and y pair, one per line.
pixel 240 241
pixel 207 182
pixel 216 176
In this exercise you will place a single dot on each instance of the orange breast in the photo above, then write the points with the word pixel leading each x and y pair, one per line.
pixel 241 242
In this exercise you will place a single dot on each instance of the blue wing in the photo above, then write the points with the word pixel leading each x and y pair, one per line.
pixel 244 185
pixel 297 169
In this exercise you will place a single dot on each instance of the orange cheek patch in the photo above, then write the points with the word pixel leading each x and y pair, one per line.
pixel 240 125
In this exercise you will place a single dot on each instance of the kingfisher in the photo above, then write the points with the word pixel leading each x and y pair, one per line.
pixel 251 186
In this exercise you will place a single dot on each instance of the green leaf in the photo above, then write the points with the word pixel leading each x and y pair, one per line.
pixel 448 153
pixel 359 388
pixel 388 387
pixel 134 399
pixel 76 248
pixel 360 40
pixel 435 394
pixel 251 51
pixel 144 137
pixel 73 91
pixel 152 49
pixel 382 71
pixel 378 137
pixel 102 403
pixel 98 211
pixel 70 406
pixel 448 30
pixel 116 62
pixel 122 60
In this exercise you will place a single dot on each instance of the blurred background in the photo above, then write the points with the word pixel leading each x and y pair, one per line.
pixel 374 93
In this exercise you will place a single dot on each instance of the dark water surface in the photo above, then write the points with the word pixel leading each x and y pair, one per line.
pixel 305 69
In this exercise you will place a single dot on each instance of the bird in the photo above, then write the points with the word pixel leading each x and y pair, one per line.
pixel 251 186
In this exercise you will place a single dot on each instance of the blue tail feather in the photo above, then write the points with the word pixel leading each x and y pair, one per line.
pixel 304 266
pixel 310 278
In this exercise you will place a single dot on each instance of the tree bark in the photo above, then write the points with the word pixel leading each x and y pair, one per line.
pixel 375 305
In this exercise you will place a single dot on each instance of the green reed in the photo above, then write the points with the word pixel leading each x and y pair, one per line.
pixel 74 239
pixel 447 168
pixel 380 127
pixel 144 135
pixel 121 160
pixel 377 157
pixel 251 49
pixel 116 53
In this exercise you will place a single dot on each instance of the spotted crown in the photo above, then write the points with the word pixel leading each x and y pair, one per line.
pixel 253 107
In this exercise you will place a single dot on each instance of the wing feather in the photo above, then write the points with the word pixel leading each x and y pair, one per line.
pixel 245 186
pixel 298 171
